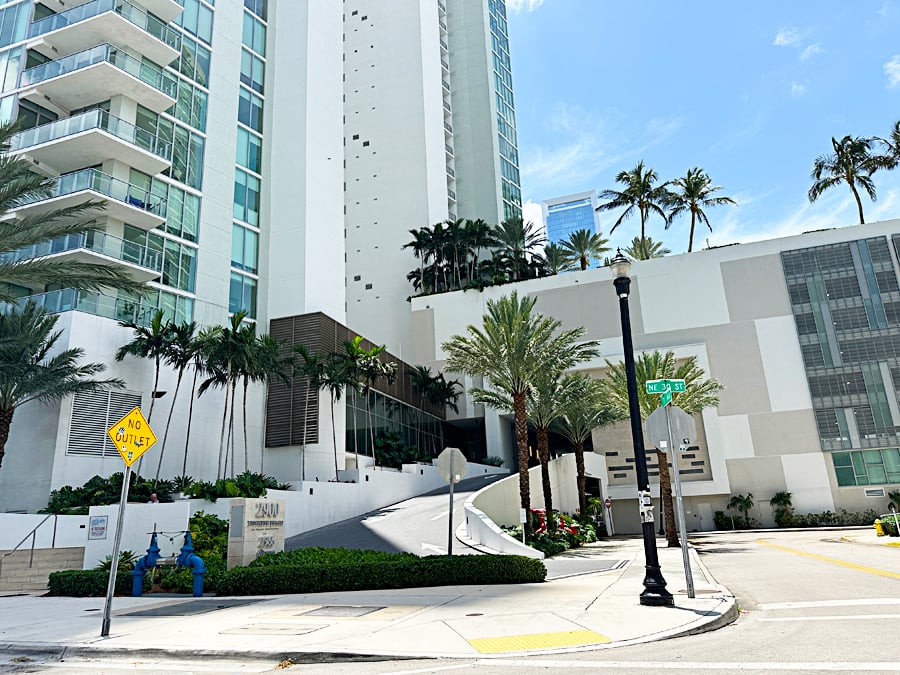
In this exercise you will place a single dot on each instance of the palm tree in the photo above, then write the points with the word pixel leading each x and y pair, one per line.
pixel 518 241
pixel 639 194
pixel 584 410
pixel 742 503
pixel 444 393
pixel 421 248
pixel 20 186
pixel 583 246
pixel 263 364
pixel 892 148
pixel 226 351
pixel 201 348
pixel 181 349
pixel 149 342
pixel 781 502
pixel 646 249
pixel 852 163
pixel 557 260
pixel 31 368
pixel 512 349
pixel 312 370
pixel 336 374
pixel 694 193
pixel 699 394
pixel 479 236
pixel 369 368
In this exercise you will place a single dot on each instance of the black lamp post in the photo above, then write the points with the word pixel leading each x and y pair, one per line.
pixel 655 592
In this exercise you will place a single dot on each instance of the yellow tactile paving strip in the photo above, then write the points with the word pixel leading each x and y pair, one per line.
pixel 520 643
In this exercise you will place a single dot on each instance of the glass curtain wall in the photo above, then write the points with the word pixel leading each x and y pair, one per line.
pixel 416 428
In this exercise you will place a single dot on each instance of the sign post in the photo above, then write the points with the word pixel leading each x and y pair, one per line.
pixel 451 465
pixel 132 437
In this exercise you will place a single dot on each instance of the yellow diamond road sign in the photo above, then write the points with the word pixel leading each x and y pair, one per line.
pixel 132 436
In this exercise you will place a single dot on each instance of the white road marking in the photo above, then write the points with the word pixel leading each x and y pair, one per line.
pixel 434 549
pixel 648 666
pixel 431 670
pixel 769 606
pixel 439 516
pixel 838 617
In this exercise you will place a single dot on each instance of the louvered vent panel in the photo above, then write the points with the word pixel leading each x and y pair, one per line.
pixel 92 414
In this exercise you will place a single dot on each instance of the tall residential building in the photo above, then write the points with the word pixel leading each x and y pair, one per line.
pixel 213 132
pixel 429 134
pixel 565 215
pixel 265 156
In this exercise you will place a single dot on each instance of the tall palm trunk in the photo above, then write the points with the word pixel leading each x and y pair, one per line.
pixel 162 448
pixel 187 436
pixel 334 440
pixel 222 449
pixel 580 480
pixel 858 201
pixel 230 442
pixel 6 417
pixel 691 237
pixel 244 424
pixel 544 456
pixel 305 424
pixel 369 422
pixel 522 444
pixel 152 401
pixel 665 492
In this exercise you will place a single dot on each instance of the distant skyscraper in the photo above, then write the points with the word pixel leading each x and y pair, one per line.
pixel 564 215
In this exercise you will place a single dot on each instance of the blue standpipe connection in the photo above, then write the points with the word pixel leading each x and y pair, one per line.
pixel 187 558
pixel 142 566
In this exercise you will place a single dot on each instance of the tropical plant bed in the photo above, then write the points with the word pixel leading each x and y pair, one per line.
pixel 324 570
pixel 787 520
pixel 570 533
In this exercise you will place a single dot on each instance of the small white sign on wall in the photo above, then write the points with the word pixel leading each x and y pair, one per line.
pixel 98 527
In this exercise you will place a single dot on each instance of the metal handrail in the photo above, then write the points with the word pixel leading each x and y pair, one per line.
pixel 33 535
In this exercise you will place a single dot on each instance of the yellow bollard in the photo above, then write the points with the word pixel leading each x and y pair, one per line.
pixel 879 530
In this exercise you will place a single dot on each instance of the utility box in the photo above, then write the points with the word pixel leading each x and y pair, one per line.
pixel 256 527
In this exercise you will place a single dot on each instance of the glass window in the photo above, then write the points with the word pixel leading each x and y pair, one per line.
pixel 250 110
pixel 253 71
pixel 249 150
pixel 246 197
pixel 13 23
pixel 194 61
pixel 254 35
pixel 258 7
pixel 242 295
pixel 191 106
pixel 196 19
pixel 244 248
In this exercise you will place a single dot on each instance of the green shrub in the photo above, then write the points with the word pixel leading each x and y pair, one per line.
pixel 430 571
pixel 329 556
pixel 99 491
pixel 89 583
pixel 889 526
pixel 492 460
pixel 247 484
pixel 127 559
pixel 181 579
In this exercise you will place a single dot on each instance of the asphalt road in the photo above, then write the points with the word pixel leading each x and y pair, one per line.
pixel 811 602
pixel 419 525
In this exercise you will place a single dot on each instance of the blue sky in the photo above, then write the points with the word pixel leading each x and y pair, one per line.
pixel 752 92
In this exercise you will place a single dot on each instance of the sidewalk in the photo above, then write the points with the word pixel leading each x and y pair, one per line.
pixel 574 613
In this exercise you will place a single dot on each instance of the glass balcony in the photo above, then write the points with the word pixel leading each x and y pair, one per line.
pixel 129 203
pixel 69 300
pixel 100 21
pixel 97 74
pixel 90 138
pixel 96 246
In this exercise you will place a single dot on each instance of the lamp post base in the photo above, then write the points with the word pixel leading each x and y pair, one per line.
pixel 655 593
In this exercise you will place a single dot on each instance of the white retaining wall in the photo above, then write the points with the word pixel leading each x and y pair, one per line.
pixel 70 530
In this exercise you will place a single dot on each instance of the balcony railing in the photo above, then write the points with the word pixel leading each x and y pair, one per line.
pixel 146 71
pixel 132 13
pixel 68 300
pixel 96 180
pixel 92 119
pixel 95 241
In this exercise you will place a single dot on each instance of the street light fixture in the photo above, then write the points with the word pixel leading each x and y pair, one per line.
pixel 655 592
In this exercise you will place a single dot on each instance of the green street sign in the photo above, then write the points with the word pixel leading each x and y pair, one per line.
pixel 662 386
pixel 665 399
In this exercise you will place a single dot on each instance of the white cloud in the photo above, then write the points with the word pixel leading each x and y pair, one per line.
pixel 810 52
pixel 584 145
pixel 892 71
pixel 787 37
pixel 797 89
pixel 516 6
pixel 532 212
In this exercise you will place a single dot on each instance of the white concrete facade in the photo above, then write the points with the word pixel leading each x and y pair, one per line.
pixel 731 309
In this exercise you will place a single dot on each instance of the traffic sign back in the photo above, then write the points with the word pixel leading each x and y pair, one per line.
pixel 132 436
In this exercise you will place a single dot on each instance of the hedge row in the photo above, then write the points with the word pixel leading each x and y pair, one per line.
pixel 315 555
pixel 90 583
pixel 429 571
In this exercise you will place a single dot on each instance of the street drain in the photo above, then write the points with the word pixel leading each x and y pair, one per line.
pixel 341 611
